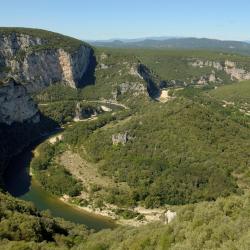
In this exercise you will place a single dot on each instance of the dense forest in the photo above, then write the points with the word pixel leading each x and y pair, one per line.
pixel 223 224
pixel 192 149
pixel 189 153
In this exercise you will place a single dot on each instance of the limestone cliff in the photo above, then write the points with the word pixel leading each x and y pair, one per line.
pixel 36 59
pixel 235 71
pixel 36 63
pixel 16 104
pixel 152 81
pixel 31 60
pixel 19 121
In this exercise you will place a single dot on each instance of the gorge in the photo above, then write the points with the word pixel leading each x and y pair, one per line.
pixel 138 134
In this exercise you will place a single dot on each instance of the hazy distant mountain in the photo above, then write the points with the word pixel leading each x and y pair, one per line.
pixel 132 40
pixel 128 40
pixel 176 43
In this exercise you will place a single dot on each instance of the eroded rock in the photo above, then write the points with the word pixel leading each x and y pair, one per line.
pixel 169 216
pixel 121 138
pixel 38 68
pixel 16 105
pixel 229 67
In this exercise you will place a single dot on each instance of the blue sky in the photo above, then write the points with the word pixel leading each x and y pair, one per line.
pixel 104 19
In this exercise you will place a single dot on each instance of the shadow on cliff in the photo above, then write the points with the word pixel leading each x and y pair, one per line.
pixel 89 77
pixel 19 142
pixel 17 180
pixel 151 80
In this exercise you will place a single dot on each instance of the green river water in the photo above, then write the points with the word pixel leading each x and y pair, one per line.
pixel 20 184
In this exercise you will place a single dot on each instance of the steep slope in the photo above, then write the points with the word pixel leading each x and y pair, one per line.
pixel 40 58
pixel 19 121
pixel 223 224
pixel 117 77
pixel 15 104
pixel 31 60
pixel 126 75
pixel 21 223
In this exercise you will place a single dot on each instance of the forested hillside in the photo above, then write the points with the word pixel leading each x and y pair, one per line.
pixel 223 224
pixel 180 152
pixel 149 131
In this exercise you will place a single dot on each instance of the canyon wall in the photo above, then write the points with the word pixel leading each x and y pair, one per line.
pixel 31 61
pixel 235 71
pixel 16 105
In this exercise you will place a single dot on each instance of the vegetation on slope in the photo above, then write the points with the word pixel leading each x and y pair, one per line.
pixel 116 70
pixel 52 40
pixel 182 152
pixel 223 224
pixel 54 177
pixel 23 227
pixel 113 69
pixel 60 112
pixel 51 175
pixel 56 92
pixel 238 92
pixel 235 95
pixel 174 64
pixel 188 150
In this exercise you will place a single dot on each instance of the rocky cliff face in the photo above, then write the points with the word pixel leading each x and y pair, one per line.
pixel 231 68
pixel 16 104
pixel 121 138
pixel 35 63
pixel 151 80
pixel 19 121
pixel 30 61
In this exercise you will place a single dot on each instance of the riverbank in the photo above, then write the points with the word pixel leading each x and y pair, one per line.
pixel 107 213
pixel 20 182
pixel 44 200
pixel 86 172
pixel 147 215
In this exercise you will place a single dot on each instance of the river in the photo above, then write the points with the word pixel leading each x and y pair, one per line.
pixel 20 184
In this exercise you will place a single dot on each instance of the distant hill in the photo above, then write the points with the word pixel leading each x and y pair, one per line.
pixel 132 40
pixel 177 43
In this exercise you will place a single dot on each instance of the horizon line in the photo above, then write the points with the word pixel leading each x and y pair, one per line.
pixel 132 38
pixel 161 38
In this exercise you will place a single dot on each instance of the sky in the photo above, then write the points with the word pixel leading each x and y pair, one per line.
pixel 107 19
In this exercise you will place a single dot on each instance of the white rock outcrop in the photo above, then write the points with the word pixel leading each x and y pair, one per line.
pixel 230 68
pixel 33 64
pixel 16 104
pixel 169 216
pixel 121 138
pixel 42 67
